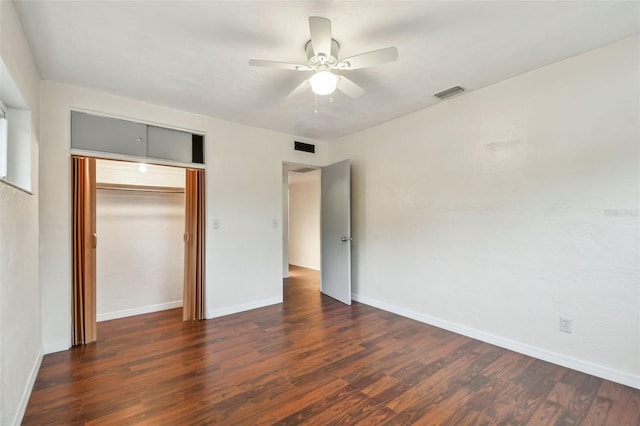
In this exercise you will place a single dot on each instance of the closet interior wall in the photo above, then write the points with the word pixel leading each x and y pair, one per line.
pixel 140 226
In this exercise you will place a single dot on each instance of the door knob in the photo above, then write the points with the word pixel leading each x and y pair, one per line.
pixel 345 239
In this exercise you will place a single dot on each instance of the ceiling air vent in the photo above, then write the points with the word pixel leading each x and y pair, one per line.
pixel 303 170
pixel 449 92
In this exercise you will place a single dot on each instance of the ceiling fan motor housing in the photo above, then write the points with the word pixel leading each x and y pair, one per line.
pixel 322 59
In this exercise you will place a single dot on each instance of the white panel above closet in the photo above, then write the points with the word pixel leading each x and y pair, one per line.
pixel 104 134
pixel 169 144
pixel 130 140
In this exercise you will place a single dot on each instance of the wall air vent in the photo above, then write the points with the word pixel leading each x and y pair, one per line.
pixel 303 170
pixel 452 91
pixel 305 147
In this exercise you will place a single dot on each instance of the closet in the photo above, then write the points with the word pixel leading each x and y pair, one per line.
pixel 140 219
pixel 138 233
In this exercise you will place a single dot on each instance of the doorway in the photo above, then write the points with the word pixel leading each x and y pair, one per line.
pixel 301 232
pixel 150 219
pixel 303 236
pixel 334 226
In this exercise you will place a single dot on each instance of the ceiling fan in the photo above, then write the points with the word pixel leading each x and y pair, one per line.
pixel 322 54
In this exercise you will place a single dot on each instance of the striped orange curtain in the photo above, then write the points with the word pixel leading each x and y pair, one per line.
pixel 83 208
pixel 194 248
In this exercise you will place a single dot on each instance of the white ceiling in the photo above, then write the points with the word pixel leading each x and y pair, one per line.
pixel 193 56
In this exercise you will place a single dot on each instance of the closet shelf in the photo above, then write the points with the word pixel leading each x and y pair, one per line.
pixel 139 188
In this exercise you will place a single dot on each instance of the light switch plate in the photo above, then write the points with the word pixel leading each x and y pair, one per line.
pixel 216 223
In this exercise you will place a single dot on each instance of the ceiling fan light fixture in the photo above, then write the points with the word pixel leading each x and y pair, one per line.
pixel 323 83
pixel 322 52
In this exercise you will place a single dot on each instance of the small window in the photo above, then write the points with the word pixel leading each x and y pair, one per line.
pixel 15 133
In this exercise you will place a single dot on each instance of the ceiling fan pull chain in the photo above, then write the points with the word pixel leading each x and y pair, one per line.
pixel 316 103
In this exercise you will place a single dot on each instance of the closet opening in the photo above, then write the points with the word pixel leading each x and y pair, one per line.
pixel 138 242
pixel 140 220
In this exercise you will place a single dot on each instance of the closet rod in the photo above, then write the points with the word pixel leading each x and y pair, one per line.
pixel 139 188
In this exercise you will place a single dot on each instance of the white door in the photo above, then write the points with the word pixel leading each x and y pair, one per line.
pixel 335 231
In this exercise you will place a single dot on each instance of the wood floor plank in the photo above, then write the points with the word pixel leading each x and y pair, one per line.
pixel 310 360
pixel 502 406
pixel 598 412
pixel 547 413
pixel 478 401
pixel 626 408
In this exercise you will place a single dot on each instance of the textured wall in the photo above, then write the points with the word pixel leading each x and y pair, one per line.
pixel 20 326
pixel 244 193
pixel 497 211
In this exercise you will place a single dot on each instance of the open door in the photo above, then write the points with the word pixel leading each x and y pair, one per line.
pixel 335 231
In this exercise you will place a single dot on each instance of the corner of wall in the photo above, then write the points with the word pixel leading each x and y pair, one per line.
pixel 26 393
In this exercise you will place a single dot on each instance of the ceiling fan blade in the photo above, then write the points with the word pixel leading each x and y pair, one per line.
pixel 279 65
pixel 349 88
pixel 368 59
pixel 320 30
pixel 302 88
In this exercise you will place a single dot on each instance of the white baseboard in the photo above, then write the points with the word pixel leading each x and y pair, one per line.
pixel 139 310
pixel 514 345
pixel 215 313
pixel 26 393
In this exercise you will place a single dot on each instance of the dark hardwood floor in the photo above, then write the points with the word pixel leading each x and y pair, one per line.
pixel 311 360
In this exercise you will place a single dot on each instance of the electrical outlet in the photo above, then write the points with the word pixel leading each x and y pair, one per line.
pixel 566 324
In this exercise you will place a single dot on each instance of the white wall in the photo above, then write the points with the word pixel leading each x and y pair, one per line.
pixel 128 173
pixel 140 256
pixel 495 212
pixel 244 192
pixel 304 219
pixel 20 329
